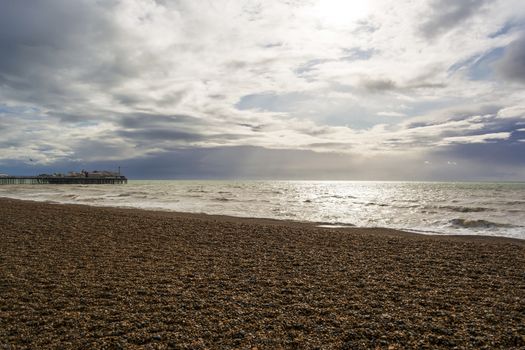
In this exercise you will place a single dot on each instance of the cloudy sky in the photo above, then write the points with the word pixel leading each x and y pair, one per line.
pixel 298 89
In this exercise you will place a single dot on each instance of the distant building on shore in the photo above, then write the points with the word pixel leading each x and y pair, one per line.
pixel 72 177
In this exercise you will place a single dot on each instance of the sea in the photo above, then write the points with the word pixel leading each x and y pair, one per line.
pixel 447 208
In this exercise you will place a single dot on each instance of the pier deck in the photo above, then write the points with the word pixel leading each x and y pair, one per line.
pixel 65 180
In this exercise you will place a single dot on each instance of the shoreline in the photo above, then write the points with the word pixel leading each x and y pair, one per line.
pixel 310 224
pixel 76 276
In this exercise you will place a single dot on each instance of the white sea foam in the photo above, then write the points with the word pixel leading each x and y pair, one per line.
pixel 496 209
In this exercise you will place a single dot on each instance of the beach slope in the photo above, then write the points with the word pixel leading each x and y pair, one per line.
pixel 85 277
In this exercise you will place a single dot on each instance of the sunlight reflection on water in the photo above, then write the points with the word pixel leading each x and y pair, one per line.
pixel 448 208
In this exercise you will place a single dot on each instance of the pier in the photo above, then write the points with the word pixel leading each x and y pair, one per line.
pixel 63 180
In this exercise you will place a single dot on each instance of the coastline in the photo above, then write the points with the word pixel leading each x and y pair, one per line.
pixel 273 221
pixel 427 208
pixel 83 276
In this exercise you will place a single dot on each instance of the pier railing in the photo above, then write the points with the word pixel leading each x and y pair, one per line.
pixel 64 180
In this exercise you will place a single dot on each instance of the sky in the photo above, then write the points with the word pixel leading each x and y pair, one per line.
pixel 251 89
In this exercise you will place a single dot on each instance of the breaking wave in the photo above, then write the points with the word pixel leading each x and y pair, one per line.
pixel 477 223
pixel 461 209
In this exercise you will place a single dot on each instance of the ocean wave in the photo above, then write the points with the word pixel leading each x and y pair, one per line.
pixel 517 202
pixel 462 209
pixel 342 197
pixel 337 196
pixel 442 208
pixel 134 193
pixel 408 200
pixel 376 204
pixel 429 212
pixel 197 190
pixel 336 224
pixel 466 223
pixel 71 195
pixel 89 199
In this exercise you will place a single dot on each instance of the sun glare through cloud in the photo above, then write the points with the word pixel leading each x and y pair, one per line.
pixel 340 13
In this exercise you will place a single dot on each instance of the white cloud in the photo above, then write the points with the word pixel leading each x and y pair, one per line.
pixel 476 138
pixel 391 114
pixel 512 112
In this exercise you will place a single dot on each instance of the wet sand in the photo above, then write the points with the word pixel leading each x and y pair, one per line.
pixel 83 277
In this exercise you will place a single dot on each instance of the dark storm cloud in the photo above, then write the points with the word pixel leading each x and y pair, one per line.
pixel 96 149
pixel 53 50
pixel 147 120
pixel 253 127
pixel 212 163
pixel 505 153
pixel 512 65
pixel 141 128
pixel 427 85
pixel 72 117
pixel 476 161
pixel 272 101
pixel 131 120
pixel 47 27
pixel 42 23
pixel 444 15
pixel 378 85
pixel 6 143
pixel 151 129
pixel 334 145
pixel 256 163
pixel 248 162
pixel 385 84
pixel 151 135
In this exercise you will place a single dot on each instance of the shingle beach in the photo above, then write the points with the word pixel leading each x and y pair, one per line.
pixel 82 277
